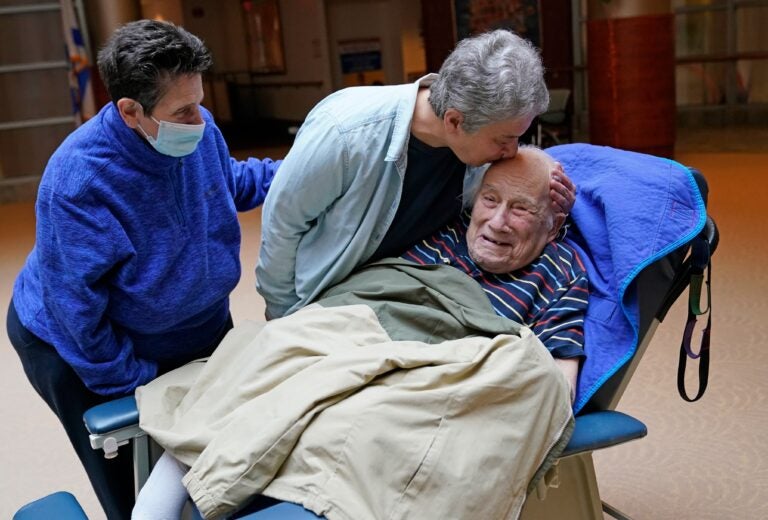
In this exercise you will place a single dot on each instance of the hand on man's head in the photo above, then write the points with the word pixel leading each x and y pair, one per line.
pixel 562 191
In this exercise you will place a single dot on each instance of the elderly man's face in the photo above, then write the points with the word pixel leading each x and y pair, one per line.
pixel 511 217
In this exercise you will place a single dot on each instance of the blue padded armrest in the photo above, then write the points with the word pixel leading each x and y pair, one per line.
pixel 112 415
pixel 282 511
pixel 602 429
pixel 60 505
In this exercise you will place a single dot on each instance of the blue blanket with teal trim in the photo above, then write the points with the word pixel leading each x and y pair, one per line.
pixel 631 210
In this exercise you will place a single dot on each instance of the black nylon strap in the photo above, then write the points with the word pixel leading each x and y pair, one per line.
pixel 694 307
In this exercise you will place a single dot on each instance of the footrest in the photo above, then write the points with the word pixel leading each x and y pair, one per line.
pixel 602 429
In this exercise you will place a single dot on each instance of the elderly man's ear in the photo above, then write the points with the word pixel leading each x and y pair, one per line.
pixel 557 222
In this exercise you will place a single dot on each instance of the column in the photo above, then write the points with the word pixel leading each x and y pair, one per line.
pixel 631 74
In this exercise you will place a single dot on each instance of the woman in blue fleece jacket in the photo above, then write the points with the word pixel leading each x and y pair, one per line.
pixel 137 242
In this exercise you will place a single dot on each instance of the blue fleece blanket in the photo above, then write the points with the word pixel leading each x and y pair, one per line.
pixel 631 210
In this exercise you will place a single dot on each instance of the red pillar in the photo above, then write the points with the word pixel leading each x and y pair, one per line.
pixel 631 73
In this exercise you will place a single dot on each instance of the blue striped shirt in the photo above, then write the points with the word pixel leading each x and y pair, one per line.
pixel 549 295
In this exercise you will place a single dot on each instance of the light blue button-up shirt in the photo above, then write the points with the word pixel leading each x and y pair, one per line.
pixel 337 193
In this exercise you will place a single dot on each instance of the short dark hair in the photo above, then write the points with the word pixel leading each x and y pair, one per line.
pixel 141 58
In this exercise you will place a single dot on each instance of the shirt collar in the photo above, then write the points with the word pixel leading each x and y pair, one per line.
pixel 398 147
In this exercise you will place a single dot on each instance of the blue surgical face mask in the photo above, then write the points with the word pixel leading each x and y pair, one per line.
pixel 175 139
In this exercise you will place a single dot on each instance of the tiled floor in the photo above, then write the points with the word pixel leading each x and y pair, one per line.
pixel 700 461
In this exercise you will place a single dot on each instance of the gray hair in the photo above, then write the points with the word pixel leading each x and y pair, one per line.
pixel 491 77
pixel 141 59
pixel 472 185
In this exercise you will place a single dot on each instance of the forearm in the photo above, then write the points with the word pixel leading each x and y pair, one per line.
pixel 570 369
pixel 275 271
pixel 252 180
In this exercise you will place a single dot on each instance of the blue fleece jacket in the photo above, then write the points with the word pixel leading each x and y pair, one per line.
pixel 136 252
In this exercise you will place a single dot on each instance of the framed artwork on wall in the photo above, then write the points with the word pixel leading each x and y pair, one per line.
pixel 263 36
pixel 361 62
pixel 519 16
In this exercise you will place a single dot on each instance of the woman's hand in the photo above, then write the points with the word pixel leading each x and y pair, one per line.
pixel 562 191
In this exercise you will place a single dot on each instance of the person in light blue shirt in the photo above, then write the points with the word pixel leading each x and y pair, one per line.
pixel 137 242
pixel 374 169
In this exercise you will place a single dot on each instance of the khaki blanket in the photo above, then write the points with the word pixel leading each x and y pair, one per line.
pixel 332 409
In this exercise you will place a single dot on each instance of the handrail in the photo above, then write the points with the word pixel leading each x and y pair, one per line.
pixel 246 77
pixel 35 8
pixel 715 58
pixel 34 123
pixel 38 65
pixel 284 84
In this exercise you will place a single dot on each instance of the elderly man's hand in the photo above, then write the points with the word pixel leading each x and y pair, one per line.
pixel 562 191
pixel 570 369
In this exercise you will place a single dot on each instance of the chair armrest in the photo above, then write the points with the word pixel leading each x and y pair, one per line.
pixel 282 511
pixel 112 415
pixel 61 505
pixel 113 424
pixel 602 429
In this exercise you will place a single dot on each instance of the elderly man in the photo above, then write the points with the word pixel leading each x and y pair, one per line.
pixel 508 246
pixel 399 384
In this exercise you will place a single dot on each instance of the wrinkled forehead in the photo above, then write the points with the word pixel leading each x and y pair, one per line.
pixel 526 175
